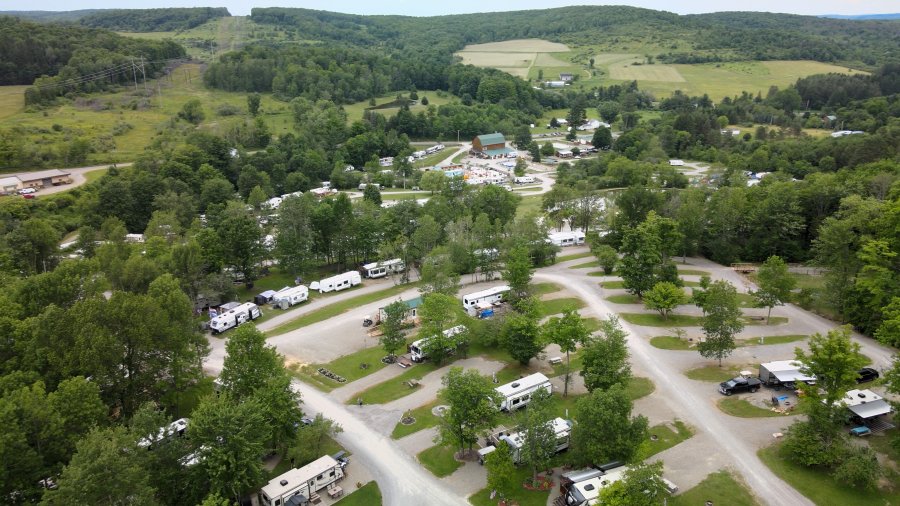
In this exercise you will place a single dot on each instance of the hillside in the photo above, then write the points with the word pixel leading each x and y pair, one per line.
pixel 153 20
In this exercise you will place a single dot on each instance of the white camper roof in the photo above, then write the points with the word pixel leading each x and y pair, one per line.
pixel 487 293
pixel 590 489
pixel 561 427
pixel 523 384
pixel 865 403
pixel 787 370
pixel 172 428
pixel 296 477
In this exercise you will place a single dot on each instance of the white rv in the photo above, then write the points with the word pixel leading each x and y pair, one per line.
pixel 489 296
pixel 382 269
pixel 417 354
pixel 587 492
pixel 574 238
pixel 524 180
pixel 517 394
pixel 173 430
pixel 304 482
pixel 337 283
pixel 561 428
pixel 288 297
pixel 234 317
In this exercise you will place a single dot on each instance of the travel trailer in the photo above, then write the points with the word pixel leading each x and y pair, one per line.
pixel 287 297
pixel 516 440
pixel 234 317
pixel 337 283
pixel 563 239
pixel 587 492
pixel 517 394
pixel 489 296
pixel 300 486
pixel 173 430
pixel 417 354
pixel 381 269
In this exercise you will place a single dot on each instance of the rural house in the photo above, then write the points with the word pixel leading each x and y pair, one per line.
pixel 44 178
pixel 490 146
pixel 566 77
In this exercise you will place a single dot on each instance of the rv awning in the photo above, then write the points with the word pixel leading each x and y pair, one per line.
pixel 871 409
pixel 796 375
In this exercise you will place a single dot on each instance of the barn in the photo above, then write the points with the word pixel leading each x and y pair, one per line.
pixel 490 146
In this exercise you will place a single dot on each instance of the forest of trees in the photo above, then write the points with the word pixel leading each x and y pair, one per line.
pixel 31 50
pixel 152 20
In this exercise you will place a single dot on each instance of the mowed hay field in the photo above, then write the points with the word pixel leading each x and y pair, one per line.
pixel 518 46
pixel 12 100
pixel 517 57
pixel 631 72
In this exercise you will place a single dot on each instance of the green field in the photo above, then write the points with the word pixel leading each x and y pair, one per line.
pixel 367 495
pixel 424 419
pixel 744 409
pixel 355 111
pixel 127 120
pixel 439 460
pixel 665 438
pixel 530 58
pixel 718 488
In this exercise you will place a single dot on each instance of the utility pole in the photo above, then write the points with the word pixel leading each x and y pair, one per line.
pixel 134 74
pixel 144 76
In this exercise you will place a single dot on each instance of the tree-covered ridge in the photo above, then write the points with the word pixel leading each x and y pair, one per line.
pixel 31 50
pixel 50 16
pixel 153 20
pixel 689 39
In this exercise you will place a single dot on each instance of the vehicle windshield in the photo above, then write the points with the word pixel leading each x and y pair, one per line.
pixel 731 383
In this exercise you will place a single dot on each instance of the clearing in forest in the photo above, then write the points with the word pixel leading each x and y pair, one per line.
pixel 627 71
pixel 518 46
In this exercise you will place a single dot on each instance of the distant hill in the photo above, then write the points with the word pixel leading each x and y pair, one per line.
pixel 50 16
pixel 671 38
pixel 128 20
pixel 863 16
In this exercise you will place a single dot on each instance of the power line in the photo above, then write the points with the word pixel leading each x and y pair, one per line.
pixel 104 74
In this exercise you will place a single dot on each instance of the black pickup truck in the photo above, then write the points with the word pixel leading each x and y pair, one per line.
pixel 738 385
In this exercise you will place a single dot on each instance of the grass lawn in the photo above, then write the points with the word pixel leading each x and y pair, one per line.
pixel 90 177
pixel 367 495
pixel 624 298
pixel 720 488
pixel 586 265
pixel 574 256
pixel 818 485
pixel 670 343
pixel 665 438
pixel 424 419
pixel 557 306
pixel 639 387
pixel 597 273
pixel 337 308
pixel 521 496
pixel 613 285
pixel 678 320
pixel 395 388
pixel 544 288
pixel 713 373
pixel 348 366
pixel 529 204
pixel 741 408
pixel 275 280
pixel 692 272
pixel 439 460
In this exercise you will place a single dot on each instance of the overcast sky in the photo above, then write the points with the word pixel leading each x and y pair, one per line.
pixel 431 8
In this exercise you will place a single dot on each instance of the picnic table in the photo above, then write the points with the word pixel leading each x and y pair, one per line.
pixel 335 492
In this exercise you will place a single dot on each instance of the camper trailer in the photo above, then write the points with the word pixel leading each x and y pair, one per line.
pixel 381 269
pixel 173 430
pixel 563 239
pixel 516 440
pixel 417 354
pixel 264 297
pixel 300 486
pixel 783 373
pixel 489 296
pixel 587 492
pixel 337 283
pixel 517 394
pixel 287 297
pixel 234 317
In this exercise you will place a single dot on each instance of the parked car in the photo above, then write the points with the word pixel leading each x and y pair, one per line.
pixel 738 385
pixel 27 191
pixel 867 374
pixel 28 196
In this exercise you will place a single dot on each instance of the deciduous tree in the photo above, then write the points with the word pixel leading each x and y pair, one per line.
pixel 775 284
pixel 722 321
pixel 473 407
pixel 536 425
pixel 605 357
pixel 567 332
pixel 521 333
pixel 621 434
pixel 664 297
pixel 439 312
pixel 501 472
pixel 392 338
